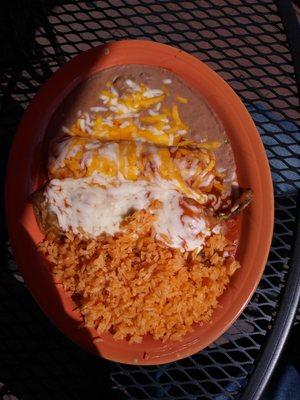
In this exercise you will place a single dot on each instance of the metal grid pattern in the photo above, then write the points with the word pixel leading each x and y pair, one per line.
pixel 244 41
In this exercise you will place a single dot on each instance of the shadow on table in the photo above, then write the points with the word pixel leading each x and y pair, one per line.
pixel 285 383
pixel 36 360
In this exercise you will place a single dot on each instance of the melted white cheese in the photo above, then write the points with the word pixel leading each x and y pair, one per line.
pixel 85 207
pixel 60 150
pixel 110 150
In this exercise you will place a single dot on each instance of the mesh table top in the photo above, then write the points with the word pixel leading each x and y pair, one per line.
pixel 245 42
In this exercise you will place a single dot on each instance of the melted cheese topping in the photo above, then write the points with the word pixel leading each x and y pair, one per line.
pixel 86 207
pixel 135 115
pixel 120 156
pixel 188 169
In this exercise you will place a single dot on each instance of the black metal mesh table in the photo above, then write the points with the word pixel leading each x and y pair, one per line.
pixel 246 42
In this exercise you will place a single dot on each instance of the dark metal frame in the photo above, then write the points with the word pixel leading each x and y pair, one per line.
pixel 280 331
pixel 291 297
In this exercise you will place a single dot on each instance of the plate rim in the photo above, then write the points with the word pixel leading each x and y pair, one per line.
pixel 11 176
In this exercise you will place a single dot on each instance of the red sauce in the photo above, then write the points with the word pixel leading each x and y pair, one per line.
pixel 233 227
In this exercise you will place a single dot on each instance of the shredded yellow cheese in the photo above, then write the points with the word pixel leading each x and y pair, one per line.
pixel 137 115
pixel 182 99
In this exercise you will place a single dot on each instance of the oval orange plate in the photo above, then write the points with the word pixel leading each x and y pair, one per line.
pixel 252 168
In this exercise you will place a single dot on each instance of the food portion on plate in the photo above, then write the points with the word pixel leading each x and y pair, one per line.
pixel 139 205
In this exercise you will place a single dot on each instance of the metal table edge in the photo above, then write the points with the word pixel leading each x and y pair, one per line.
pixel 280 331
pixel 275 344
